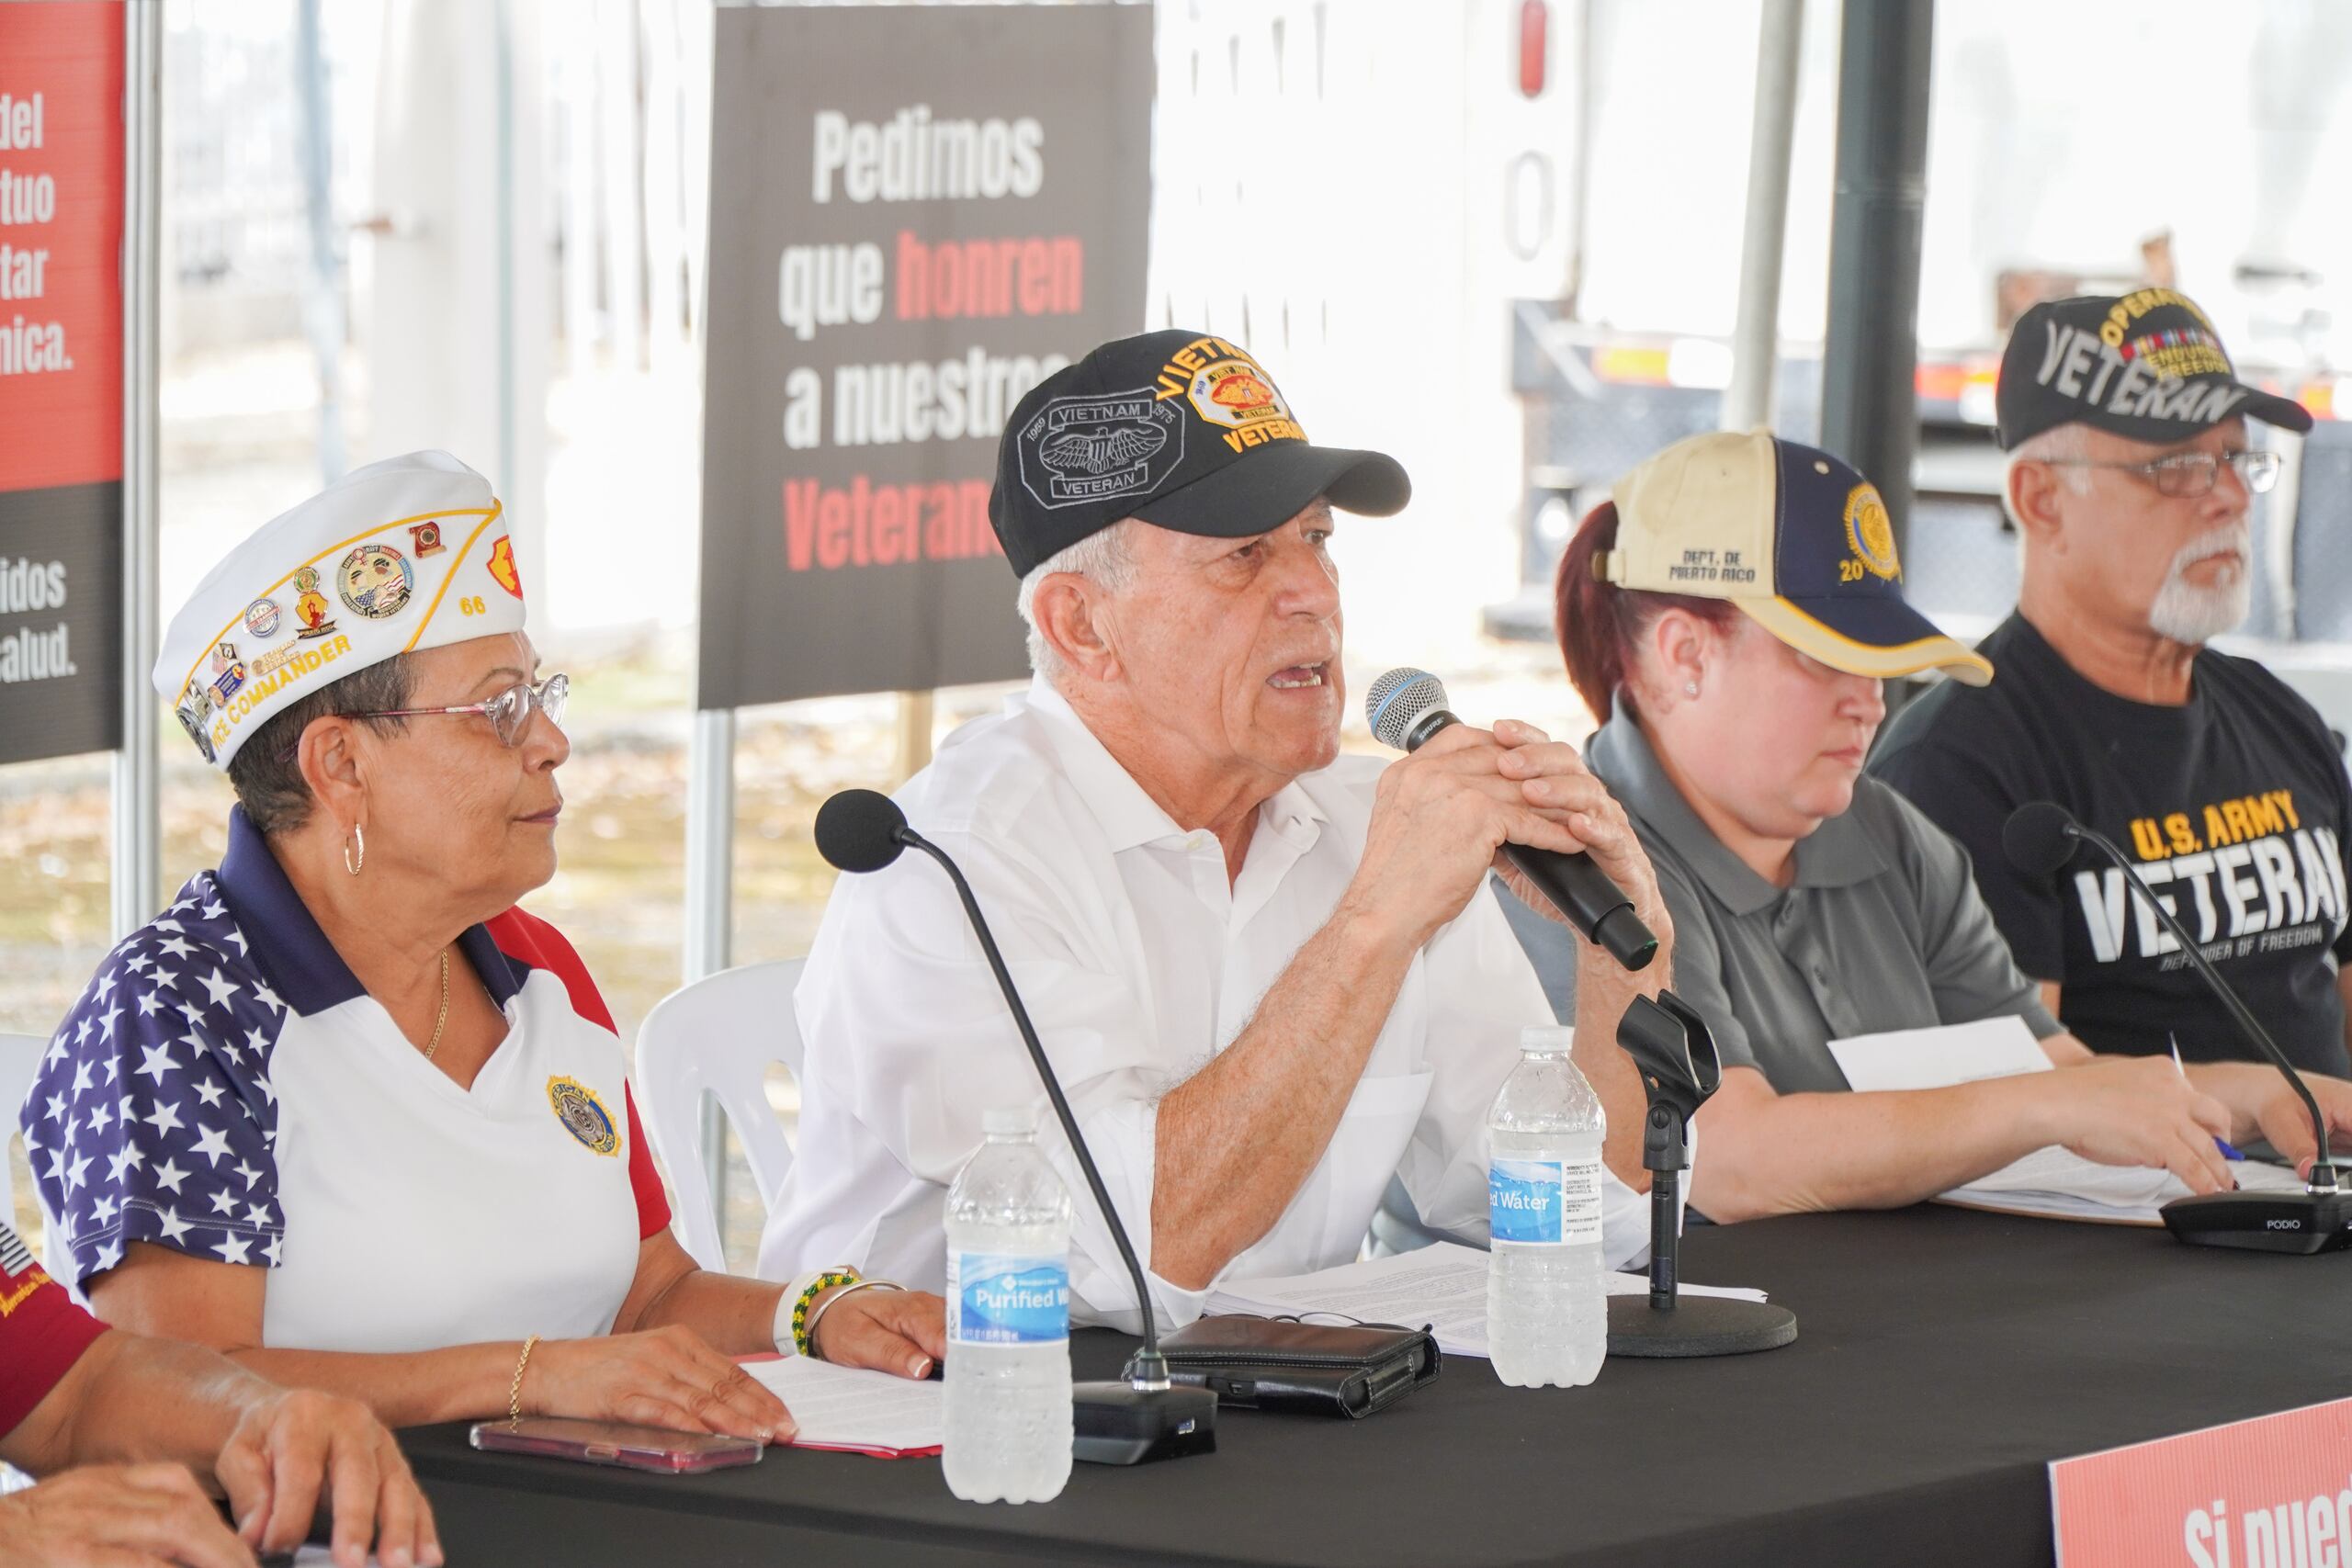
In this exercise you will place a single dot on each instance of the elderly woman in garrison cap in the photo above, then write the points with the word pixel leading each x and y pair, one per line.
pixel 344 1112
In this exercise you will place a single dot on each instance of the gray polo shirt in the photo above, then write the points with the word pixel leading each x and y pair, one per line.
pixel 1882 927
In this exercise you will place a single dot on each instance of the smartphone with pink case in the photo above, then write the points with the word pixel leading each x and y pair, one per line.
pixel 620 1443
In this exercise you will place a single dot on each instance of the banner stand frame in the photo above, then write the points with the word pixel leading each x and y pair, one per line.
pixel 135 807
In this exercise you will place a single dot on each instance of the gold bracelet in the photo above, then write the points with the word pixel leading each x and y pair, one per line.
pixel 515 1394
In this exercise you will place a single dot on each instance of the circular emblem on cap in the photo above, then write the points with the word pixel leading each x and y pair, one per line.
pixel 375 581
pixel 1870 532
pixel 260 616
pixel 1234 393
pixel 582 1115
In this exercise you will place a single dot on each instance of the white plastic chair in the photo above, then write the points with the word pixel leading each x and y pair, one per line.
pixel 718 1035
pixel 20 1057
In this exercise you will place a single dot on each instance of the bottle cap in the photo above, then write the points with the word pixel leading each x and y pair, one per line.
pixel 1001 1121
pixel 1553 1039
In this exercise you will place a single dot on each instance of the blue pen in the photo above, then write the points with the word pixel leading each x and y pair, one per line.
pixel 2228 1151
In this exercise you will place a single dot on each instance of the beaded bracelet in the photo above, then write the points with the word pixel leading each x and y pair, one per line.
pixel 816 1287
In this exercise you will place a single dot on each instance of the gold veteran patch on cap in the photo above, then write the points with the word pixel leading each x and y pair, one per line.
pixel 400 556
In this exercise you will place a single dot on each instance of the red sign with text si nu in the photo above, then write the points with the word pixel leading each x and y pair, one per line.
pixel 2272 1491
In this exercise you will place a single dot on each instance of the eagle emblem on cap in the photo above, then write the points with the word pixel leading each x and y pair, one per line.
pixel 1101 450
pixel 1870 532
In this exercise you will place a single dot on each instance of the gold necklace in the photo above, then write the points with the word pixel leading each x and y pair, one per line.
pixel 441 1019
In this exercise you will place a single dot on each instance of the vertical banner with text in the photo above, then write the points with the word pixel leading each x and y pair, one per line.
pixel 917 213
pixel 61 377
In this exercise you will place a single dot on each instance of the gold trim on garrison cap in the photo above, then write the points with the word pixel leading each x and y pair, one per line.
pixel 400 556
pixel 1796 538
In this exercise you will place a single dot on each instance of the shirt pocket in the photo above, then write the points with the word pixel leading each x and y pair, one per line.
pixel 1330 1216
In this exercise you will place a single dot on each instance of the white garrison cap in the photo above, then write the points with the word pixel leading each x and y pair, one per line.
pixel 402 555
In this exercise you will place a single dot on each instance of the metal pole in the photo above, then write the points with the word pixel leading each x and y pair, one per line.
pixel 322 299
pixel 710 898
pixel 1870 404
pixel 1771 134
pixel 138 824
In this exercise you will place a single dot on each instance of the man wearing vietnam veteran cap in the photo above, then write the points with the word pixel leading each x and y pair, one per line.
pixel 1270 977
pixel 1729 616
pixel 343 1111
pixel 2131 480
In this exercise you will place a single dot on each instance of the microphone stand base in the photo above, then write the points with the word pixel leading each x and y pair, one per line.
pixel 1696 1326
pixel 1116 1423
pixel 2263 1222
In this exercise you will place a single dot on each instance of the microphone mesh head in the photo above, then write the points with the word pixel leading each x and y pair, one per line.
pixel 2036 839
pixel 1397 700
pixel 857 831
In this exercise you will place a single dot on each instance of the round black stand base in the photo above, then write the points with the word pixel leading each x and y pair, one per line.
pixel 1698 1326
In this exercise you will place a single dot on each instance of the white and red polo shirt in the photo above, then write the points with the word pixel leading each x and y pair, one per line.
pixel 226 1089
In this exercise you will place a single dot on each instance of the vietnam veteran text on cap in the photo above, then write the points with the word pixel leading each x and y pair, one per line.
pixel 1179 428
pixel 402 555
pixel 1793 537
pixel 2146 365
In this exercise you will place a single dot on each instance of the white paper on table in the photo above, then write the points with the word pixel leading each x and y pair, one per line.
pixel 1444 1285
pixel 2055 1183
pixel 1941 1055
pixel 854 1408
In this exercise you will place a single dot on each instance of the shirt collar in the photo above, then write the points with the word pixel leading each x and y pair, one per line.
pixel 1128 816
pixel 1838 853
pixel 293 953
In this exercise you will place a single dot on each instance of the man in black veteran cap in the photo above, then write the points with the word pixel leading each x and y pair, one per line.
pixel 1273 978
pixel 2132 477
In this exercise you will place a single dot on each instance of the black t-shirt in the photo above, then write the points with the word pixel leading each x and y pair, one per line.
pixel 2234 807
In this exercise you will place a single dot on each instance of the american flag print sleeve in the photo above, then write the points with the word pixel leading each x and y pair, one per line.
pixel 153 1117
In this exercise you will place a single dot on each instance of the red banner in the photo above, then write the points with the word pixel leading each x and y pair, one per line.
pixel 61 244
pixel 2273 1492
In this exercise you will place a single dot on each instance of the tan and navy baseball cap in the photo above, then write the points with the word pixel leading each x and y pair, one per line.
pixel 1181 429
pixel 1795 538
pixel 400 556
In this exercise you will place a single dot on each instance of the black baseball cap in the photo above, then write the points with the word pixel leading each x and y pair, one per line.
pixel 2147 365
pixel 1181 429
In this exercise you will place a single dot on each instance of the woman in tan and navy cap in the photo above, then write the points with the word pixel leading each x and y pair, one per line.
pixel 345 1111
pixel 1729 617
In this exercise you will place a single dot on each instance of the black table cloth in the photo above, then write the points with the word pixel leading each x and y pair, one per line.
pixel 1943 1358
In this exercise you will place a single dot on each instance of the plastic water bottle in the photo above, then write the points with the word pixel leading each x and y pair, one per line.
pixel 1008 1403
pixel 1547 1317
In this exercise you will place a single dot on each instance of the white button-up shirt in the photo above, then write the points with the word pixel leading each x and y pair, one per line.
pixel 1139 961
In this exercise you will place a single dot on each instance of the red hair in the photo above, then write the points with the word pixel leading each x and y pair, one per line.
pixel 1599 625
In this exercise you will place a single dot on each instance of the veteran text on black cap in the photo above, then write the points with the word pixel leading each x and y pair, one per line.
pixel 2147 365
pixel 1182 429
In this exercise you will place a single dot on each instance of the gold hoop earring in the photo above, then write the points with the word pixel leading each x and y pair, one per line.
pixel 350 865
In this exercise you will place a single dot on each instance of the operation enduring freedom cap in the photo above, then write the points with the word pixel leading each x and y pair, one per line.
pixel 400 556
pixel 1794 537
pixel 1179 428
pixel 2147 365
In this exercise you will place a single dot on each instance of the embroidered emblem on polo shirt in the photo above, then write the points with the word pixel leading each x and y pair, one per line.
pixel 583 1115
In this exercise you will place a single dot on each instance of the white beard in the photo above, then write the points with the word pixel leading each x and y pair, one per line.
pixel 2187 613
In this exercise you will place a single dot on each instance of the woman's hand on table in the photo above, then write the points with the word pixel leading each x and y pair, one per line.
pixel 663 1377
pixel 904 1332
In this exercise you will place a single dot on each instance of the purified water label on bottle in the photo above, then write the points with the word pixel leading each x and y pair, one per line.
pixel 1580 1201
pixel 1524 1201
pixel 993 1299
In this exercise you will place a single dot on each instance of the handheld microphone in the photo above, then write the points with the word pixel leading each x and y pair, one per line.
pixel 2040 837
pixel 1406 707
pixel 1145 1418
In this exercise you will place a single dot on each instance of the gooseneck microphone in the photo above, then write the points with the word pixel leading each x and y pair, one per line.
pixel 2039 838
pixel 1147 1417
pixel 1406 707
